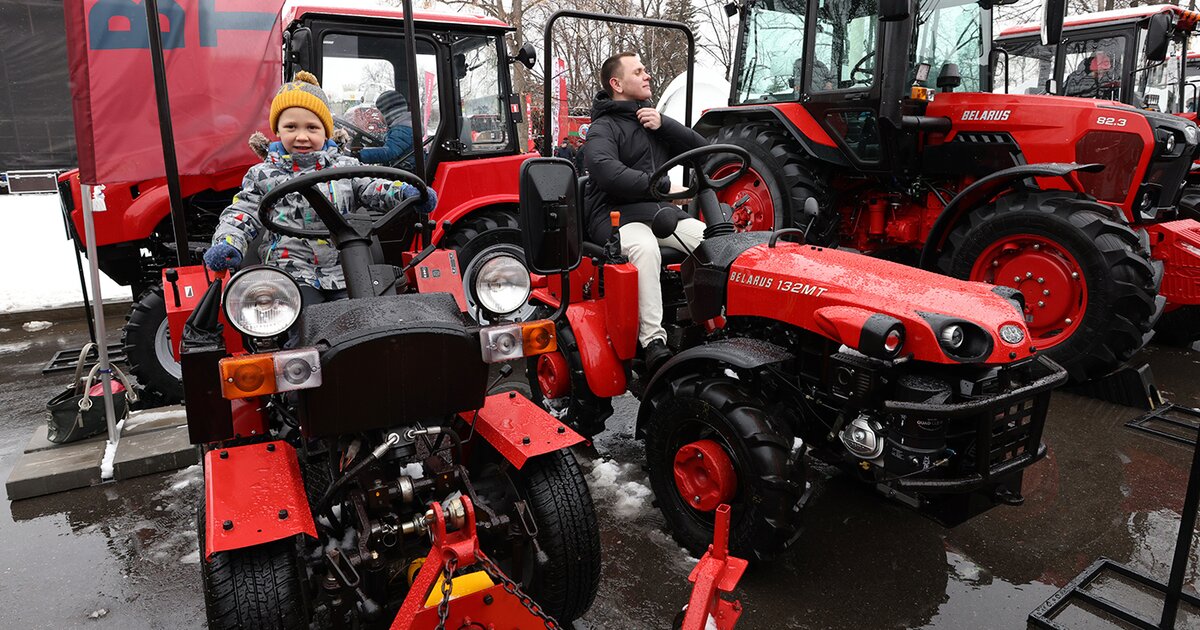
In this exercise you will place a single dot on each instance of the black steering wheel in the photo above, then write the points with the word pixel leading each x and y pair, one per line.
pixel 338 227
pixel 694 160
pixel 358 136
pixel 859 69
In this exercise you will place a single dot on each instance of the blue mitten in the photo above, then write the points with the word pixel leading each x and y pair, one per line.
pixel 222 256
pixel 408 191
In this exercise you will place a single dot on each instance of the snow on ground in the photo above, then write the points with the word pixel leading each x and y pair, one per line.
pixel 618 482
pixel 41 248
pixel 139 418
pixel 36 326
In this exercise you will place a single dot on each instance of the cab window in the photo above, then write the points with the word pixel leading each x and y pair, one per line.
pixel 483 103
pixel 844 57
pixel 773 41
pixel 1093 68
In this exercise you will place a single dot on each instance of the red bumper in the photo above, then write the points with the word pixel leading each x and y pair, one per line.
pixel 1177 244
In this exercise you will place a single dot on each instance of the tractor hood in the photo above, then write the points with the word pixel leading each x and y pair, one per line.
pixel 856 300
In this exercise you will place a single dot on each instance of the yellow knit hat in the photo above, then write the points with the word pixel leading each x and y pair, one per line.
pixel 305 91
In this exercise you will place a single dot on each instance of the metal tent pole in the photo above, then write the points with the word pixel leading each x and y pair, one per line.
pixel 89 230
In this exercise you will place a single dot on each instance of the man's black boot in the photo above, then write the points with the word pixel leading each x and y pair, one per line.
pixel 657 354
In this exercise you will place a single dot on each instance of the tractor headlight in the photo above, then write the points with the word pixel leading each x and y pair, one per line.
pixel 262 301
pixel 959 339
pixel 1190 134
pixel 952 337
pixel 502 284
pixel 1012 334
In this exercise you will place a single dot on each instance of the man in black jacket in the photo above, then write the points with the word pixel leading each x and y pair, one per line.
pixel 627 141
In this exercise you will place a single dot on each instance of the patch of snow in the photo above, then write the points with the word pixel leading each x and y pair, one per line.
pixel 138 418
pixel 191 558
pixel 4 330
pixel 731 374
pixel 12 348
pixel 611 481
pixel 110 454
pixel 44 246
pixel 35 326
pixel 96 614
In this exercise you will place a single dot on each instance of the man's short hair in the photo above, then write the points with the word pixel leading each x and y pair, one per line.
pixel 609 69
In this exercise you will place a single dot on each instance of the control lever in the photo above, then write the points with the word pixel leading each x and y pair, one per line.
pixel 172 276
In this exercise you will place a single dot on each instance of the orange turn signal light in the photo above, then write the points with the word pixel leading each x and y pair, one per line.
pixel 514 341
pixel 247 375
pixel 537 337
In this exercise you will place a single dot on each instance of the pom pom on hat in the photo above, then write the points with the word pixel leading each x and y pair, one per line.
pixel 305 91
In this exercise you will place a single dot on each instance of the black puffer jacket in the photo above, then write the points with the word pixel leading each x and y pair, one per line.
pixel 620 157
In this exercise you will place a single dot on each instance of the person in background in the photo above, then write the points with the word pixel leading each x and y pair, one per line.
pixel 398 143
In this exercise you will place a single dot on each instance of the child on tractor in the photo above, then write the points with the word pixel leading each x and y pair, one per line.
pixel 301 119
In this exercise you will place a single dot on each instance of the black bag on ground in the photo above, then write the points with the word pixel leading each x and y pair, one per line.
pixel 77 412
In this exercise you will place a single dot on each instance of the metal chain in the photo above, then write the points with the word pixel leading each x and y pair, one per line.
pixel 447 588
pixel 511 588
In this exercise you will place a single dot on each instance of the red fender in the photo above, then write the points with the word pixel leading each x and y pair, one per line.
pixel 253 495
pixel 518 429
pixel 604 370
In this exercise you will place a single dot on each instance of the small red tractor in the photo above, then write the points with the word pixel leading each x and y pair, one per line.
pixel 356 472
pixel 880 117
pixel 460 59
pixel 927 388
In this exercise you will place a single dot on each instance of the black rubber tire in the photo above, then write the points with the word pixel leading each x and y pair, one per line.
pixel 477 233
pixel 1122 280
pixel 256 587
pixel 557 494
pixel 764 518
pixel 1180 327
pixel 158 386
pixel 788 174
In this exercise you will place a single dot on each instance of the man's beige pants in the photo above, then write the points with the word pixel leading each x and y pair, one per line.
pixel 642 248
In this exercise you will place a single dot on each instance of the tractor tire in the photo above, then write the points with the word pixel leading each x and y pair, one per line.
pixel 255 587
pixel 1093 275
pixel 147 343
pixel 557 494
pixel 781 179
pixel 765 504
pixel 478 238
pixel 1180 327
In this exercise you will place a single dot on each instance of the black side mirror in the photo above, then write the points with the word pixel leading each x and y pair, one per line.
pixel 1158 35
pixel 1053 14
pixel 949 78
pixel 527 55
pixel 894 10
pixel 299 50
pixel 550 215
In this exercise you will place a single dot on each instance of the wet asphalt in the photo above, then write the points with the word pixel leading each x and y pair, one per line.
pixel 124 555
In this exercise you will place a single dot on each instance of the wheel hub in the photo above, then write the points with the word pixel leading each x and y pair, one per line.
pixel 554 377
pixel 754 211
pixel 704 475
pixel 1046 274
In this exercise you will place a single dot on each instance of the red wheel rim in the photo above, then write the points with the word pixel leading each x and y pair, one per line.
pixel 553 375
pixel 1046 274
pixel 704 475
pixel 756 212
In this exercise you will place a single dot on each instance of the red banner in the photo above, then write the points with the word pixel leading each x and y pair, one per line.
pixel 427 107
pixel 222 59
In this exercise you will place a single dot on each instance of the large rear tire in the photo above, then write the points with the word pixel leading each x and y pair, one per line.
pixel 1090 286
pixel 769 485
pixel 780 180
pixel 147 343
pixel 478 238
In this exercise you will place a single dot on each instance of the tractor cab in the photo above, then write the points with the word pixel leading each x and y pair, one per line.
pixel 1138 56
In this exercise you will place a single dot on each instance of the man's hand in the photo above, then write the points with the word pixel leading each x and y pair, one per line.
pixel 649 117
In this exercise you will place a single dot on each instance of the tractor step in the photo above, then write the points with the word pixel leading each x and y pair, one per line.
pixel 66 360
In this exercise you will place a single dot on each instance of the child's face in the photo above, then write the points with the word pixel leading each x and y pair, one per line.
pixel 301 131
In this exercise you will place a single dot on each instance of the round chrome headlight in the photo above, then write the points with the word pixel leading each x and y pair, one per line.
pixel 502 284
pixel 262 301
pixel 1170 143
pixel 952 337
pixel 1012 334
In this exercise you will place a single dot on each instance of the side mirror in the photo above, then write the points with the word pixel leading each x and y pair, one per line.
pixel 1053 14
pixel 894 10
pixel 550 215
pixel 527 55
pixel 1158 35
pixel 299 50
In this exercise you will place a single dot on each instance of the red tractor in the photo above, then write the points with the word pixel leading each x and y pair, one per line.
pixel 464 73
pixel 879 117
pixel 927 388
pixel 356 472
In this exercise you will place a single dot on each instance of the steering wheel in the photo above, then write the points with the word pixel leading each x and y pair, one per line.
pixel 859 69
pixel 358 135
pixel 338 227
pixel 694 160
